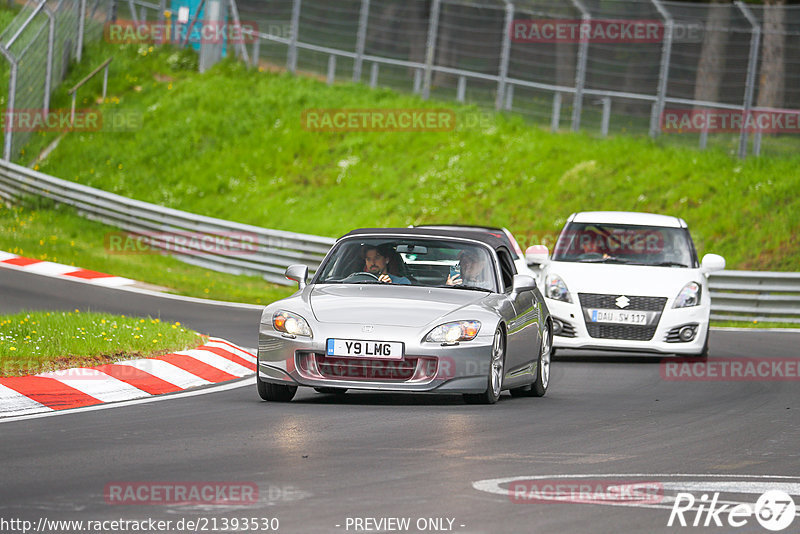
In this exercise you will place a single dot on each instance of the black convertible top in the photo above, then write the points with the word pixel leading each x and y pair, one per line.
pixel 476 235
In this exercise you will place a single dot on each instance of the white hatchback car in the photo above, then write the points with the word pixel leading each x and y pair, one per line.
pixel 627 281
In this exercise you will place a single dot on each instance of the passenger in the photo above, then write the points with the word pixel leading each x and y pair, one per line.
pixel 474 271
pixel 379 264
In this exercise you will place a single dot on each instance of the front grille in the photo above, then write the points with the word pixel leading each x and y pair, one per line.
pixel 608 302
pixel 410 370
pixel 622 331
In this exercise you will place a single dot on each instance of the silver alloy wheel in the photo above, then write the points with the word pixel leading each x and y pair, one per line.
pixel 497 363
pixel 545 360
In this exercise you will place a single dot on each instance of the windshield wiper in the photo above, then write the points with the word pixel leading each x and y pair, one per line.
pixel 610 259
pixel 471 288
pixel 669 264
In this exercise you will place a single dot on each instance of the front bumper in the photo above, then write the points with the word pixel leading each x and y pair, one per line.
pixel 578 337
pixel 425 367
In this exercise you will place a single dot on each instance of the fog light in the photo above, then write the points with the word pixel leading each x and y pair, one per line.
pixel 557 327
pixel 686 333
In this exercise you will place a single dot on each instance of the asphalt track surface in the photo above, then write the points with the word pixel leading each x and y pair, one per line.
pixel 320 460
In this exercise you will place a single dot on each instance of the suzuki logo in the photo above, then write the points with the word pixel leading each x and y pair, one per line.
pixel 367 328
pixel 623 301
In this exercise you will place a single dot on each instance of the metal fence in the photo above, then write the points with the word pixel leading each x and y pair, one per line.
pixel 733 58
pixel 267 255
pixel 736 295
pixel 38 46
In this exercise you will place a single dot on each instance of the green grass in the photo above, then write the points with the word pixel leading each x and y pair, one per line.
pixel 229 143
pixel 58 234
pixel 744 323
pixel 33 342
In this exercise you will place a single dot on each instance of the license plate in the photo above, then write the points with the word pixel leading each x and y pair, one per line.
pixel 617 316
pixel 359 348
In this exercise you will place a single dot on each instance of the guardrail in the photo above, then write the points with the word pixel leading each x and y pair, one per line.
pixel 262 252
pixel 736 295
pixel 755 296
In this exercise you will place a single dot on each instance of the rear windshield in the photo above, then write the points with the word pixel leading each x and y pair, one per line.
pixel 630 244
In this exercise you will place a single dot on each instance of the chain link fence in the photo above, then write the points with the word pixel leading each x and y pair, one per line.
pixel 38 46
pixel 729 74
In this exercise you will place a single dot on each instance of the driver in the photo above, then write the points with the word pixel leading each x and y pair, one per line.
pixel 377 263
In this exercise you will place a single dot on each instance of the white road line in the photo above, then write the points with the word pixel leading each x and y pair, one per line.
pixel 215 360
pixel 96 384
pixel 245 382
pixel 167 372
pixel 16 403
pixel 50 268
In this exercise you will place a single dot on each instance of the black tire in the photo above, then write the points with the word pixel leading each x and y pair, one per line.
pixel 331 391
pixel 542 382
pixel 275 392
pixel 496 373
pixel 539 386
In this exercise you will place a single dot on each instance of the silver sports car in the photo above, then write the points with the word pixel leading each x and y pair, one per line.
pixel 413 310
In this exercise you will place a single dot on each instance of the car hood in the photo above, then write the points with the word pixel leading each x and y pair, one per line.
pixel 387 305
pixel 624 279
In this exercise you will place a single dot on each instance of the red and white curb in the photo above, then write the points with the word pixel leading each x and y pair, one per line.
pixel 48 268
pixel 216 361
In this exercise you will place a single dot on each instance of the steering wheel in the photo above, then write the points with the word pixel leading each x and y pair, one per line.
pixel 362 274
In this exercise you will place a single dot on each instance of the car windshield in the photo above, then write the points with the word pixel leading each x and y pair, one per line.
pixel 426 262
pixel 628 244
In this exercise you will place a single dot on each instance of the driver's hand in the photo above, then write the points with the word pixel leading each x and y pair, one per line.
pixel 385 278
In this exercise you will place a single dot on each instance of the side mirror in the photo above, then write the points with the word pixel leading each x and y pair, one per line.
pixel 537 254
pixel 297 273
pixel 712 262
pixel 523 282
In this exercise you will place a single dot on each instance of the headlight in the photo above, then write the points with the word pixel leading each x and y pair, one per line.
pixel 556 289
pixel 455 331
pixel 290 323
pixel 689 296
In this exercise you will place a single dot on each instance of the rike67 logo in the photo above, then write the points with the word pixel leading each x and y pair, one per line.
pixel 774 510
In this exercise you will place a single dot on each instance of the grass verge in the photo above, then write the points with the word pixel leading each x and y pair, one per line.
pixel 34 342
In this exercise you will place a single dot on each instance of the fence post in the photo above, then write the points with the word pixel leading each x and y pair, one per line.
pixel 162 7
pixel 361 39
pixel 132 8
pixel 12 95
pixel 505 53
pixel 555 119
pixel 663 71
pixel 430 52
pixel 291 59
pixel 256 50
pixel 81 29
pixel 752 66
pixel 580 71
pixel 373 75
pixel 461 92
pixel 238 23
pixel 509 97
pixel 48 73
pixel 331 69
pixel 606 116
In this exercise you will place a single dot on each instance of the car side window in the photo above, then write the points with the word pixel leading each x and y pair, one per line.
pixel 507 268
